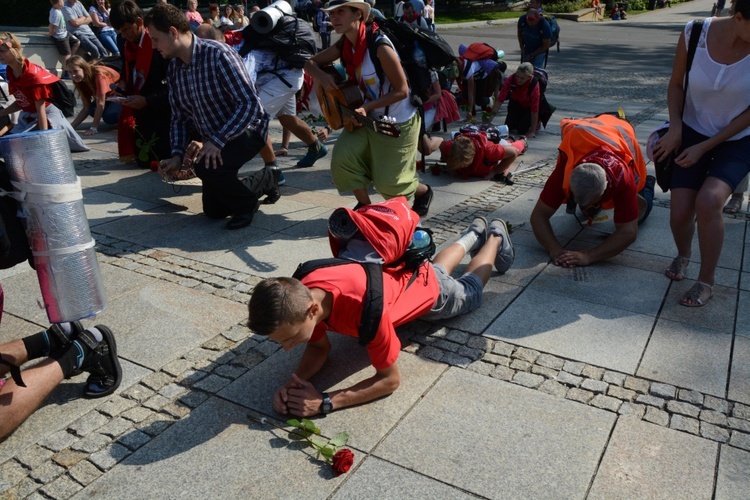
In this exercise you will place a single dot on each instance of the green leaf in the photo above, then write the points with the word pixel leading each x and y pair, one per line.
pixel 309 426
pixel 339 439
pixel 318 441
pixel 293 422
pixel 327 452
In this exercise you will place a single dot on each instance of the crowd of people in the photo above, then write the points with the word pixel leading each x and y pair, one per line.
pixel 199 99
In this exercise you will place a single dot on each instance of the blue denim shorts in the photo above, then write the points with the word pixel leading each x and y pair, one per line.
pixel 457 296
pixel 729 162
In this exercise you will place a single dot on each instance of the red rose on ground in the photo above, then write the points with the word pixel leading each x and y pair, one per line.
pixel 343 461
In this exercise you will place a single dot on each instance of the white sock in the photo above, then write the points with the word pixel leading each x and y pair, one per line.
pixel 96 333
pixel 468 240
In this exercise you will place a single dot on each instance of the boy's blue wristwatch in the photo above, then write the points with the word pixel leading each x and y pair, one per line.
pixel 326 406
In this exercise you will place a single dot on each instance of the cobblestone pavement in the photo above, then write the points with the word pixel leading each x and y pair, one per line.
pixel 69 453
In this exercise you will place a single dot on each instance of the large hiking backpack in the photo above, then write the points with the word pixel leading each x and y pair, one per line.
pixel 555 29
pixel 434 53
pixel 545 108
pixel 478 52
pixel 292 40
pixel 389 228
pixel 63 98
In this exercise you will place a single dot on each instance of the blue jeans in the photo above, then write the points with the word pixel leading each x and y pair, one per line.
pixel 109 40
pixel 111 112
pixel 91 44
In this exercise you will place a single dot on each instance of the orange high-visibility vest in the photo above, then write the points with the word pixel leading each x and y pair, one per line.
pixel 582 136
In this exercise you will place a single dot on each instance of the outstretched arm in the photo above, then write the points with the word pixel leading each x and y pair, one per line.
pixel 304 400
pixel 542 228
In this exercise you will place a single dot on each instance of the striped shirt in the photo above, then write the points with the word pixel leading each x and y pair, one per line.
pixel 214 95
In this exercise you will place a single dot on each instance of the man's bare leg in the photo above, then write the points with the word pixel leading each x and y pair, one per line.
pixel 17 403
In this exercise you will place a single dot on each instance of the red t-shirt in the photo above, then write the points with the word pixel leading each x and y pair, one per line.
pixel 621 184
pixel 347 284
pixel 104 77
pixel 33 85
pixel 521 94
pixel 486 155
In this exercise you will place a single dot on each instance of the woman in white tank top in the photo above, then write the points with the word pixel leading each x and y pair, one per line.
pixel 710 136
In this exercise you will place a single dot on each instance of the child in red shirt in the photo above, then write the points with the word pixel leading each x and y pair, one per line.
pixel 473 155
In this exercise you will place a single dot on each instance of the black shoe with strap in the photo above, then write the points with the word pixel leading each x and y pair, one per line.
pixel 101 363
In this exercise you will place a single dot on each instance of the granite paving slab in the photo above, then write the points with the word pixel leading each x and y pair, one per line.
pixel 733 480
pixel 65 405
pixel 743 311
pixel 606 284
pixel 162 321
pixel 150 187
pixel 263 258
pixel 445 183
pixel 200 238
pixel 132 228
pixel 111 174
pixel 104 207
pixel 281 216
pixel 564 326
pixel 687 356
pixel 22 291
pixel 519 210
pixel 500 440
pixel 739 377
pixel 218 452
pixel 531 259
pixel 379 479
pixel 16 328
pixel 495 299
pixel 644 460
pixel 347 364
pixel 443 201
pixel 745 281
pixel 718 314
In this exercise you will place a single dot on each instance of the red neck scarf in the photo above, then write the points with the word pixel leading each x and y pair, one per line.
pixel 412 18
pixel 137 65
pixel 353 56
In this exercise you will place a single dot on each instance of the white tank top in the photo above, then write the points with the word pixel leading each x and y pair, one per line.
pixel 402 111
pixel 717 93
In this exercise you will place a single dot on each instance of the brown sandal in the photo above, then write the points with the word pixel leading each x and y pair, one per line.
pixel 676 270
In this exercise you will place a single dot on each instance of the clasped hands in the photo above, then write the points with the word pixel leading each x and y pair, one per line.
pixel 297 397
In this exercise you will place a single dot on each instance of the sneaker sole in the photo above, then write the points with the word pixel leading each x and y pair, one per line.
pixel 109 338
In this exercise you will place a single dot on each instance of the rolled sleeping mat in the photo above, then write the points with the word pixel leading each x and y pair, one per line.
pixel 264 21
pixel 45 182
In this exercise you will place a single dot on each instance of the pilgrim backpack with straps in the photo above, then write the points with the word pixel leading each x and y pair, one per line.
pixel 406 39
pixel 291 40
pixel 545 108
pixel 63 98
pixel 477 52
pixel 372 301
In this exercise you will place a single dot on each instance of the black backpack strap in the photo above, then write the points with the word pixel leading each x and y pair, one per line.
pixel 534 83
pixel 306 268
pixel 695 34
pixel 372 308
pixel 372 302
pixel 15 371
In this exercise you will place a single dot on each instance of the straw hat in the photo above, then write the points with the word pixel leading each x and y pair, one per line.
pixel 357 4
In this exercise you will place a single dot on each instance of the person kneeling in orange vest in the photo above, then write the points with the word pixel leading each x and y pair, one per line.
pixel 600 166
